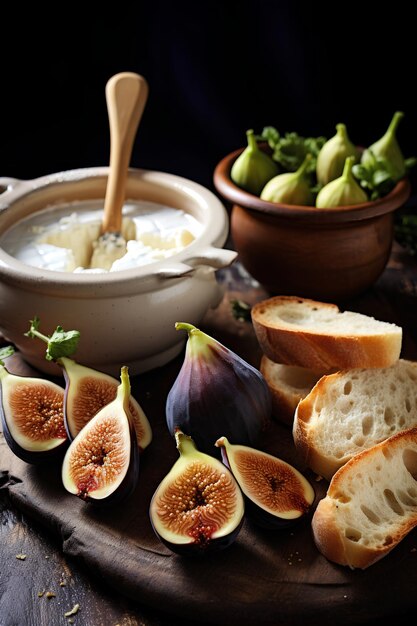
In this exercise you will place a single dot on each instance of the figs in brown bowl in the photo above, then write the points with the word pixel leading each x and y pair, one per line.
pixel 329 254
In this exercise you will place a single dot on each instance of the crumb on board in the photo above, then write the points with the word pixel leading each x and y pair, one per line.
pixel 40 593
pixel 50 594
pixel 21 557
pixel 73 611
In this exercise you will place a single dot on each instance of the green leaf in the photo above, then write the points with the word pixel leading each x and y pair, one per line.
pixel 291 149
pixel 410 162
pixel 361 172
pixel 271 135
pixel 5 352
pixel 381 176
pixel 62 343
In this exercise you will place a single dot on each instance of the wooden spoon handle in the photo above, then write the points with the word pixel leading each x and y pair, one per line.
pixel 126 95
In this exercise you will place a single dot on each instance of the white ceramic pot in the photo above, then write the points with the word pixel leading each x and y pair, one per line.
pixel 125 317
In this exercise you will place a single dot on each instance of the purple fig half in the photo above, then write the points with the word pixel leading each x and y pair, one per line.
pixel 32 417
pixel 87 391
pixel 276 494
pixel 102 463
pixel 198 507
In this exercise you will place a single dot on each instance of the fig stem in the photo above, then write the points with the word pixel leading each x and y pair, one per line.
pixel 301 170
pixel 396 119
pixel 123 391
pixel 341 130
pixel 252 143
pixel 185 326
pixel 39 335
pixel 347 169
pixel 184 443
pixel 221 442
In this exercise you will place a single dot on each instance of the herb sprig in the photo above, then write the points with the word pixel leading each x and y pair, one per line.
pixel 60 344
pixel 291 149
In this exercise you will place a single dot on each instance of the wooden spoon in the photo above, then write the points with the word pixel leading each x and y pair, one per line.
pixel 126 95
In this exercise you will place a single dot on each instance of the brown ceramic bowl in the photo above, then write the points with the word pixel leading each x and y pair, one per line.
pixel 326 254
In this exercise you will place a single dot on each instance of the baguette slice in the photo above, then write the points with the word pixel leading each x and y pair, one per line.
pixel 288 385
pixel 318 336
pixel 352 410
pixel 371 503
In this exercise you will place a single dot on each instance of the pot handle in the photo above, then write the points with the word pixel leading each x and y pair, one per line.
pixel 216 258
pixel 8 184
pixel 210 256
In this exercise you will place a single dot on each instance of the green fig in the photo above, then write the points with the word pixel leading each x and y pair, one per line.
pixel 290 188
pixel 387 148
pixel 344 191
pixel 253 168
pixel 332 156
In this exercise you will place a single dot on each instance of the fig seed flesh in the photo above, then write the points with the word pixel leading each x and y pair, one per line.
pixel 38 411
pixel 102 462
pixel 98 457
pixel 276 493
pixel 87 392
pixel 32 417
pixel 198 507
pixel 273 483
pixel 203 499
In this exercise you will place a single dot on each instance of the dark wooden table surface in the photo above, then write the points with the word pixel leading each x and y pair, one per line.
pixel 24 583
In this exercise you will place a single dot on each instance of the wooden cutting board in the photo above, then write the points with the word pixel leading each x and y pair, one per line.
pixel 265 577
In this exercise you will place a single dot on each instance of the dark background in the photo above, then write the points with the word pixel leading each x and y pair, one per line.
pixel 214 69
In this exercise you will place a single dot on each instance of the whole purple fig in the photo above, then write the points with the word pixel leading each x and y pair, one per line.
pixel 216 394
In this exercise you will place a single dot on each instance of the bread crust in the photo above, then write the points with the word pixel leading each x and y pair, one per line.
pixel 325 466
pixel 286 343
pixel 331 538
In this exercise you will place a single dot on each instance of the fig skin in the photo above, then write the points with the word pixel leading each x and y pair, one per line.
pixel 291 187
pixel 342 191
pixel 253 168
pixel 217 393
pixel 388 149
pixel 99 389
pixel 40 450
pixel 332 156
pixel 83 476
pixel 206 526
pixel 291 492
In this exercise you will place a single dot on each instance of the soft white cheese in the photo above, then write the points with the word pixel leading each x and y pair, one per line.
pixel 63 238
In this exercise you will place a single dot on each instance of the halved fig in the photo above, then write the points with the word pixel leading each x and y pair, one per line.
pixel 87 391
pixel 198 506
pixel 277 495
pixel 32 416
pixel 102 463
